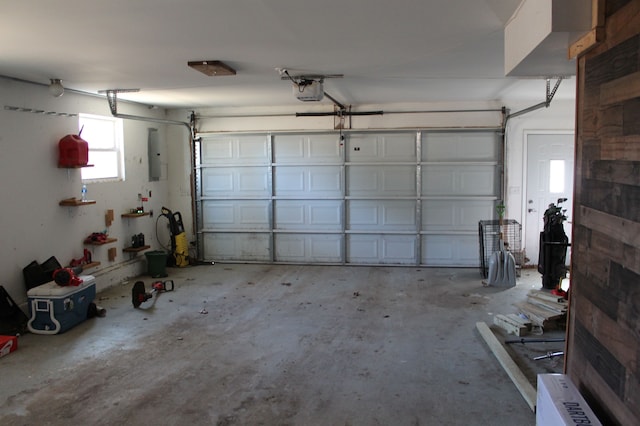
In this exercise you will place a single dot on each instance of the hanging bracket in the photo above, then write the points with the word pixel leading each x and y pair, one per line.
pixel 551 92
pixel 545 104
pixel 112 98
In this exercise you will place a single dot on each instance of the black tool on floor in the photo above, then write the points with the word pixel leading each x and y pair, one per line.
pixel 535 340
pixel 549 355
pixel 139 294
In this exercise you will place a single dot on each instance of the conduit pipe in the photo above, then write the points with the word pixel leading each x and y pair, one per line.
pixel 67 89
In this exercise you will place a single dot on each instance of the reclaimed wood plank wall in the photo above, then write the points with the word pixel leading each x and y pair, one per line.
pixel 603 338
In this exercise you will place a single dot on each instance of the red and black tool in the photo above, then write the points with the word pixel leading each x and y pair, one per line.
pixel 139 294
pixel 67 276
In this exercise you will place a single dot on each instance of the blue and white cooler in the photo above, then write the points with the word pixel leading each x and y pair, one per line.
pixel 55 309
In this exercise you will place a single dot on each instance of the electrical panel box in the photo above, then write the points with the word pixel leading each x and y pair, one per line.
pixel 153 147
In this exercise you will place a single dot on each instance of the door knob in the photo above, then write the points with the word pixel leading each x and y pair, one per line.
pixel 531 210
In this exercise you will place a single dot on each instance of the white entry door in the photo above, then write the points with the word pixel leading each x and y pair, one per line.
pixel 550 164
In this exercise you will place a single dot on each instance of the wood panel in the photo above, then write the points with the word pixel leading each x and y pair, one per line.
pixel 603 338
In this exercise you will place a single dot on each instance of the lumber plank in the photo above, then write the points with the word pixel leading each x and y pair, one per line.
pixel 520 320
pixel 546 304
pixel 509 325
pixel 586 42
pixel 624 230
pixel 515 374
pixel 608 332
pixel 538 315
pixel 621 148
pixel 621 89
pixel 540 311
pixel 597 13
pixel 547 296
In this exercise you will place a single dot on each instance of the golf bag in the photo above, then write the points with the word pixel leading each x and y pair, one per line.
pixel 552 252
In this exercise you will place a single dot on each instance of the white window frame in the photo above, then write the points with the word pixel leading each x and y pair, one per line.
pixel 115 144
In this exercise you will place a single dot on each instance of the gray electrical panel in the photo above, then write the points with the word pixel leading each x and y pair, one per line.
pixel 153 146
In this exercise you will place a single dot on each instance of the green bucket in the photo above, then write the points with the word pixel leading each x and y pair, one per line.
pixel 156 263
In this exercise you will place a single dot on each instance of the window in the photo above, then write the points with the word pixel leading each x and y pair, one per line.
pixel 104 135
pixel 556 176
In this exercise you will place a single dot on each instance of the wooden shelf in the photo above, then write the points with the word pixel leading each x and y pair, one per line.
pixel 107 241
pixel 90 265
pixel 85 266
pixel 135 249
pixel 134 214
pixel 74 202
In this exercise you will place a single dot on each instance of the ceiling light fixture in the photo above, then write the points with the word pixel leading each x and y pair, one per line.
pixel 56 88
pixel 212 68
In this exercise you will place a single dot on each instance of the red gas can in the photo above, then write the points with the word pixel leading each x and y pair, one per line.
pixel 73 151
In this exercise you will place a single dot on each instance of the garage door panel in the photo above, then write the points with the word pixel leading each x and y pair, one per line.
pixel 289 148
pixel 235 182
pixel 472 146
pixel 450 250
pixel 308 248
pixel 381 249
pixel 472 212
pixel 236 214
pixel 254 150
pixel 385 215
pixel 478 180
pixel 217 182
pixel 314 148
pixel 290 180
pixel 217 150
pixel 381 148
pixel 374 198
pixel 308 181
pixel 438 215
pixel 308 215
pixel 235 246
pixel 458 180
pixel 455 215
pixel 381 181
pixel 240 149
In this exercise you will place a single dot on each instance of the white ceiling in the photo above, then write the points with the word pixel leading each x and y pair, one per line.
pixel 389 51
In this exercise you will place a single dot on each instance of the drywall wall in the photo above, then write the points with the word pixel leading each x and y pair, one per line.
pixel 33 225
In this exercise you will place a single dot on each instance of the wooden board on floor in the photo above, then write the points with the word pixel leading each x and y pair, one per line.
pixel 558 308
pixel 522 384
pixel 510 325
pixel 538 315
pixel 545 295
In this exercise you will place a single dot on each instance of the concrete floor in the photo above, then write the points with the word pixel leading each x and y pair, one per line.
pixel 280 345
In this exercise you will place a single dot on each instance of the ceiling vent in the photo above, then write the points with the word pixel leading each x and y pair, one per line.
pixel 308 91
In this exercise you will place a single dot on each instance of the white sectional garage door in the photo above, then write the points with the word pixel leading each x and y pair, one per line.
pixel 393 198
